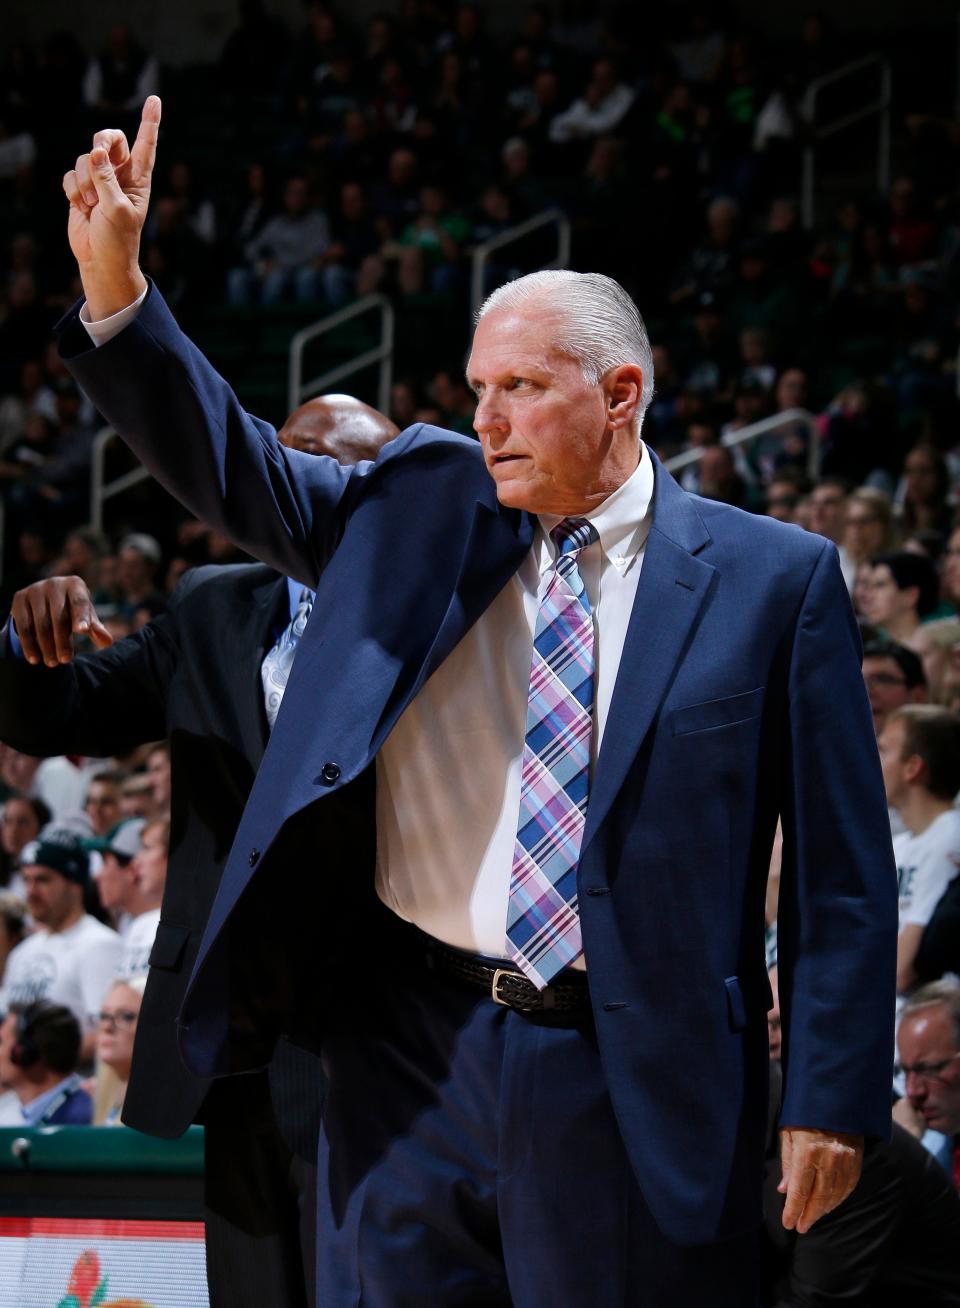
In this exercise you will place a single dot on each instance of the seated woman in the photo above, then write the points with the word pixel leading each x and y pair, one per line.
pixel 115 1033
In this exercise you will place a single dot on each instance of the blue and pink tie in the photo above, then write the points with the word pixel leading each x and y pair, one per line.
pixel 543 924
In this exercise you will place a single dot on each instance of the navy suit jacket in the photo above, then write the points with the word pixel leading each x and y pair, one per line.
pixel 738 699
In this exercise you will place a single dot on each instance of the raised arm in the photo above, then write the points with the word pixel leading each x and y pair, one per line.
pixel 163 397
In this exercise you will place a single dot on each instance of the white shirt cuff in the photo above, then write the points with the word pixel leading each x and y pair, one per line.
pixel 105 330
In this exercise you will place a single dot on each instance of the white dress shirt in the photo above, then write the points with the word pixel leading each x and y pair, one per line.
pixel 448 776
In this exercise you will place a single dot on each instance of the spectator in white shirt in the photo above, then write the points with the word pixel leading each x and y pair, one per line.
pixel 601 108
pixel 71 958
pixel 149 868
pixel 920 756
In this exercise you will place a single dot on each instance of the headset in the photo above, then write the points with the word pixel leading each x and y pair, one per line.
pixel 25 1051
pixel 47 1032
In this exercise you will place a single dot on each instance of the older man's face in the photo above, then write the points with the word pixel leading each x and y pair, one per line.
pixel 552 443
pixel 931 1061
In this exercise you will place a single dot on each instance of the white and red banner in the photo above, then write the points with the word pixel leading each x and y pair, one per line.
pixel 90 1263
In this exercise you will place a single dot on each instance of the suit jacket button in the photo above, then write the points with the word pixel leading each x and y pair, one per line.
pixel 330 772
pixel 254 857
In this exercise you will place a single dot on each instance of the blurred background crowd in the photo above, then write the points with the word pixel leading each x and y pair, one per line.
pixel 304 165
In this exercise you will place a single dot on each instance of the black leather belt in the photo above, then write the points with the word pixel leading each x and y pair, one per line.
pixel 507 986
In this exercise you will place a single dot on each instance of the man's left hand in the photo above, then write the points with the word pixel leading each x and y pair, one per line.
pixel 820 1168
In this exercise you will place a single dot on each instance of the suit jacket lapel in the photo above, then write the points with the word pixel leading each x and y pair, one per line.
pixel 670 594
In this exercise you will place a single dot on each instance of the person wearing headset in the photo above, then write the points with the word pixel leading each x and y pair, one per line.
pixel 39 1048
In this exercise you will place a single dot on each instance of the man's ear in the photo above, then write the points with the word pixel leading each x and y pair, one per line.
pixel 624 388
pixel 914 767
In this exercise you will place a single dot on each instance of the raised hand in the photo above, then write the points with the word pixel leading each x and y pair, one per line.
pixel 109 193
pixel 50 613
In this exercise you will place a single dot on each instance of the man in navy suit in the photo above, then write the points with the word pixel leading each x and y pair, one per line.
pixel 584 697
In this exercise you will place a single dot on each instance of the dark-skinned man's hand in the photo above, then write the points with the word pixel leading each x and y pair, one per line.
pixel 50 613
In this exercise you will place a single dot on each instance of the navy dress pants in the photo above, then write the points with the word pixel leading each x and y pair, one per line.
pixel 469 1155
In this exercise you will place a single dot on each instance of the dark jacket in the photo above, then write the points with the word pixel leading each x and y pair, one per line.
pixel 193 675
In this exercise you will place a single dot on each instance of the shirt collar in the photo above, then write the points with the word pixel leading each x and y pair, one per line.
pixel 37 1108
pixel 622 520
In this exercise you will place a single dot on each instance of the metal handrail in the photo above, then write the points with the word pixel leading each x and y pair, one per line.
pixel 881 107
pixel 747 435
pixel 298 390
pixel 101 490
pixel 486 248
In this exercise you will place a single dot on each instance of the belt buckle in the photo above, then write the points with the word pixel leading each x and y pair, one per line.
pixel 495 986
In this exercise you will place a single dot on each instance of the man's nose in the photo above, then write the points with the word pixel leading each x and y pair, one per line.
pixel 916 1088
pixel 489 417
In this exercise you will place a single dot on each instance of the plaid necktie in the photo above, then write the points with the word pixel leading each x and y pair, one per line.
pixel 543 926
pixel 275 669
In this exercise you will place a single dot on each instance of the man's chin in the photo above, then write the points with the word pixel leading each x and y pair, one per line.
pixel 517 494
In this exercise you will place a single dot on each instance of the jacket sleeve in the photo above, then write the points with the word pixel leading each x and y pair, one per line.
pixel 837 916
pixel 184 422
pixel 99 705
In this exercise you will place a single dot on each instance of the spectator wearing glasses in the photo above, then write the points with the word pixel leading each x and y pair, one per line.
pixel 893 1242
pixel 928 1043
pixel 868 525
pixel 893 676
pixel 116 1029
pixel 102 805
pixel 920 758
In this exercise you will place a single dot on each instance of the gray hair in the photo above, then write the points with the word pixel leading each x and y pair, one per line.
pixel 937 994
pixel 600 326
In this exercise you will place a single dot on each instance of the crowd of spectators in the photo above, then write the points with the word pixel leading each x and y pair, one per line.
pixel 378 156
pixel 83 873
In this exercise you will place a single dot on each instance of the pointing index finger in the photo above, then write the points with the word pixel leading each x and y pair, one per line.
pixel 144 152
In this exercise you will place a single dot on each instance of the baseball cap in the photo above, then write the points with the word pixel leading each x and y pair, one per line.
pixel 146 545
pixel 122 841
pixel 62 850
